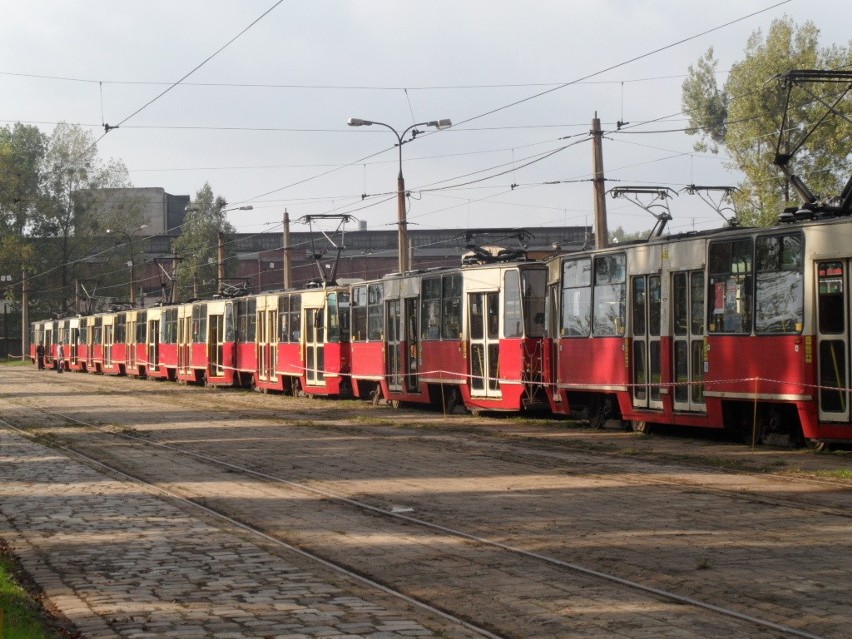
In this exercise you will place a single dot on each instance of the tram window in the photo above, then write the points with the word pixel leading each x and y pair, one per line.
pixel 168 327
pixel 251 311
pixel 832 306
pixel 283 318
pixel 358 310
pixel 295 317
pixel 476 313
pixel 230 330
pixel 343 315
pixel 451 307
pixel 333 318
pixel 430 309
pixel 534 295
pixel 199 323
pixel 655 305
pixel 637 313
pixel 696 301
pixel 679 301
pixel 779 291
pixel 730 287
pixel 242 321
pixel 120 328
pixel 609 295
pixel 246 321
pixel 375 311
pixel 141 326
pixel 576 298
pixel 512 317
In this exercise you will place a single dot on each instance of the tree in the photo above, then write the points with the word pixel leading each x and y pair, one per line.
pixel 745 116
pixel 72 176
pixel 197 244
pixel 22 150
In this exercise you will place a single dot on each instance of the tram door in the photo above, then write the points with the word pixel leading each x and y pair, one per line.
pixel 267 343
pixel 184 341
pixel 130 343
pixel 74 340
pixel 412 345
pixel 107 344
pixel 216 345
pixel 484 318
pixel 688 341
pixel 154 344
pixel 92 338
pixel 645 321
pixel 314 347
pixel 833 339
pixel 393 345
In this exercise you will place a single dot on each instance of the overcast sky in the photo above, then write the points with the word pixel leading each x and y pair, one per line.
pixel 264 121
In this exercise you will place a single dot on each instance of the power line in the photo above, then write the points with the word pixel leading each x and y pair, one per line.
pixel 621 64
pixel 336 87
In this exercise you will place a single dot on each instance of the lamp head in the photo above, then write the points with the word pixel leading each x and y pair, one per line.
pixel 440 124
pixel 358 122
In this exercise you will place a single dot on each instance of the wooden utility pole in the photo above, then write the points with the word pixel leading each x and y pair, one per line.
pixel 220 258
pixel 288 264
pixel 25 314
pixel 601 232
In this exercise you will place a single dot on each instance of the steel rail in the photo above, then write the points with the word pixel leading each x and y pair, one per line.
pixel 574 567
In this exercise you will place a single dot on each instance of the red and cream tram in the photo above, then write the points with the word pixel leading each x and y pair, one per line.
pixel 302 341
pixel 469 335
pixel 746 329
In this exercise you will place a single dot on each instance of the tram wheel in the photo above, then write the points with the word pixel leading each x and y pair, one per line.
pixel 816 445
pixel 450 398
pixel 376 395
pixel 602 408
pixel 393 403
pixel 640 426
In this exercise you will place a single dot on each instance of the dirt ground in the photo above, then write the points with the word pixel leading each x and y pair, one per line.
pixel 527 527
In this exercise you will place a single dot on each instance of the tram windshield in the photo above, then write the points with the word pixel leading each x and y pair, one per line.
pixel 534 286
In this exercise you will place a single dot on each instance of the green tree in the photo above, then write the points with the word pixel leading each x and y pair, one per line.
pixel 22 150
pixel 745 115
pixel 73 174
pixel 197 244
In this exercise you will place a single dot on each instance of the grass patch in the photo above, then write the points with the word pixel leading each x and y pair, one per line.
pixel 22 615
pixel 17 362
pixel 844 474
pixel 375 421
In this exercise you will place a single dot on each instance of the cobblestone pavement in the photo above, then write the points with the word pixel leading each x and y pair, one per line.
pixel 637 507
pixel 120 562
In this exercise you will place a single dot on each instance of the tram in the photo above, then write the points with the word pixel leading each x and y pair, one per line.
pixel 710 330
pixel 457 336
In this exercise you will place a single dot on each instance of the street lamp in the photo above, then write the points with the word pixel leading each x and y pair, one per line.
pixel 131 263
pixel 402 237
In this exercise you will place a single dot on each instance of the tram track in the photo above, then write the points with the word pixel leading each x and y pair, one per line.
pixel 407 519
pixel 257 532
pixel 536 451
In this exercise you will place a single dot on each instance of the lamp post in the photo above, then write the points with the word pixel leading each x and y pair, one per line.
pixel 402 235
pixel 131 263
